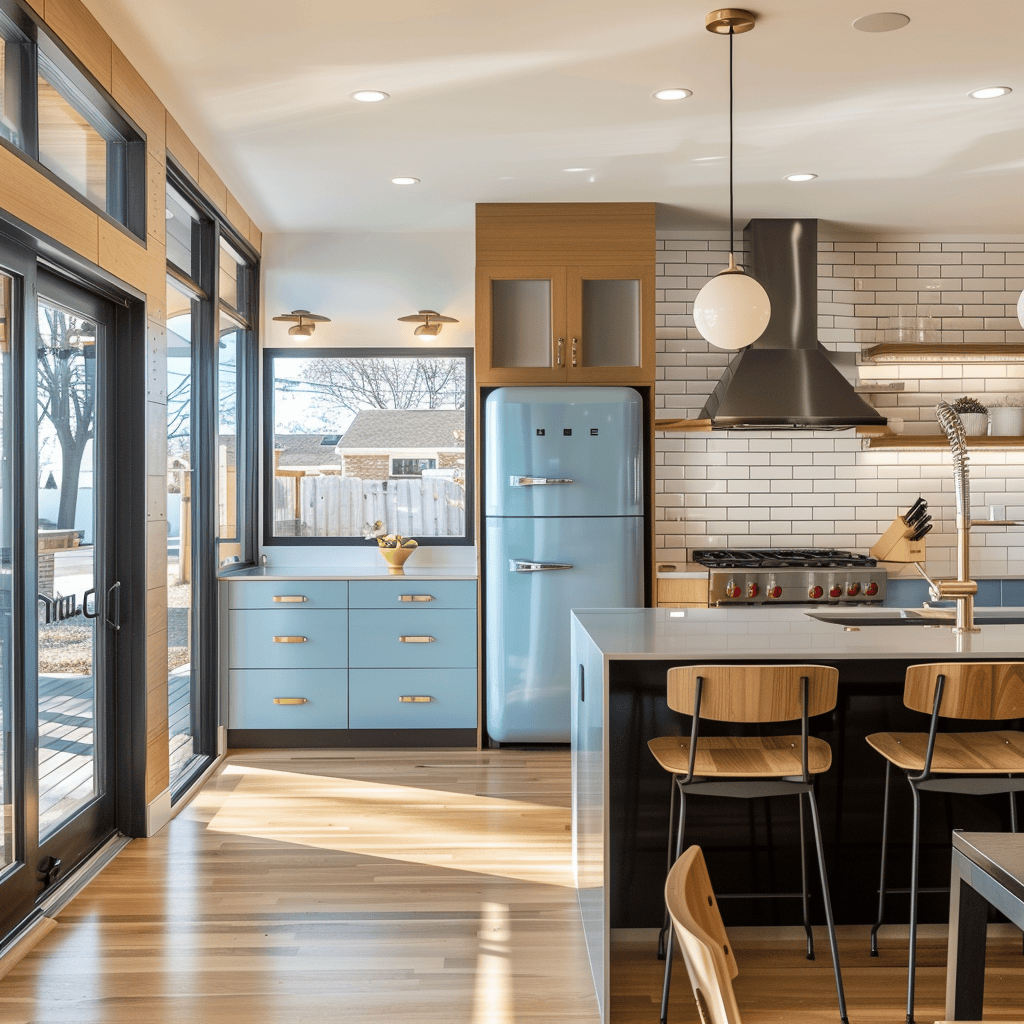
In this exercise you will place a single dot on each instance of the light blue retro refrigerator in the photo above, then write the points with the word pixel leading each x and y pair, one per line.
pixel 563 507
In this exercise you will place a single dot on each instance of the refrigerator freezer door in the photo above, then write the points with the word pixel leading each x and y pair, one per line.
pixel 537 571
pixel 563 452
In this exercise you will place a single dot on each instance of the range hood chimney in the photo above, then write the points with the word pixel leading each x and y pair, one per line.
pixel 785 379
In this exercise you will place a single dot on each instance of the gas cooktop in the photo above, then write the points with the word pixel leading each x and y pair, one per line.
pixel 782 558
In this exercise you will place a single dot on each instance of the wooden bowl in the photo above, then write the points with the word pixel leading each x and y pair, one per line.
pixel 395 557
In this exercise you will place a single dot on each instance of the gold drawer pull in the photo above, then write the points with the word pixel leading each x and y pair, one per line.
pixel 290 700
pixel 415 597
pixel 289 639
pixel 289 598
pixel 416 640
pixel 416 700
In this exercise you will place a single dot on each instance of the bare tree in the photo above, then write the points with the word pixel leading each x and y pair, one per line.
pixel 67 397
pixel 385 383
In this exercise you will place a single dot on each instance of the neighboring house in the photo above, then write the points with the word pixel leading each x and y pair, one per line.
pixel 309 453
pixel 385 443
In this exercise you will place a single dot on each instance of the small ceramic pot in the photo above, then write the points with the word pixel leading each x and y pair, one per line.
pixel 395 557
pixel 975 423
pixel 1006 421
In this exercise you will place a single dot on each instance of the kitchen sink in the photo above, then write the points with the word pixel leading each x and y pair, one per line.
pixel 917 616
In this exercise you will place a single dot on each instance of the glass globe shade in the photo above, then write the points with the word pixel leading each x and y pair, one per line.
pixel 1020 309
pixel 732 310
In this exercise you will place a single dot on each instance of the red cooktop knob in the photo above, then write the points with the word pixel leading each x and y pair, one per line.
pixel 775 591
pixel 753 590
pixel 871 589
pixel 853 589
pixel 815 592
pixel 836 592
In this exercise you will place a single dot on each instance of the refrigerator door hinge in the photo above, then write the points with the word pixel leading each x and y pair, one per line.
pixel 520 565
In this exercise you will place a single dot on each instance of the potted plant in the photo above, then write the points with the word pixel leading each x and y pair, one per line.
pixel 973 415
pixel 1006 416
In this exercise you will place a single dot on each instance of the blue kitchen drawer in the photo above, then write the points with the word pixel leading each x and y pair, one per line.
pixel 252 643
pixel 374 699
pixel 376 638
pixel 401 594
pixel 251 695
pixel 283 594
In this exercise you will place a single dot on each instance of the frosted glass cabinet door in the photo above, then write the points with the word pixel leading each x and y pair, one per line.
pixel 611 323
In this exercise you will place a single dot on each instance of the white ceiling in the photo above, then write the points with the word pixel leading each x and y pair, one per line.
pixel 491 102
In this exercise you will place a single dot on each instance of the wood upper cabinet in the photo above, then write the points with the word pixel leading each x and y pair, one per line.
pixel 583 316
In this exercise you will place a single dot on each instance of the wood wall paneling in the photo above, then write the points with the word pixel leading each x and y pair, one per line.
pixel 210 182
pixel 35 199
pixel 139 101
pixel 179 145
pixel 237 217
pixel 156 553
pixel 564 232
pixel 156 610
pixel 84 36
pixel 158 755
pixel 256 237
pixel 125 257
pixel 39 6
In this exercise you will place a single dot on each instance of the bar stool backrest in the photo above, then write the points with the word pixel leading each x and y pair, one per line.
pixel 753 693
pixel 984 690
pixel 702 938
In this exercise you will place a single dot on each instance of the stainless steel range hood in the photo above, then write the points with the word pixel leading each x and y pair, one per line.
pixel 785 379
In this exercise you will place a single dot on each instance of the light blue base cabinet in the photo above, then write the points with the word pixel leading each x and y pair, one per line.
pixel 350 662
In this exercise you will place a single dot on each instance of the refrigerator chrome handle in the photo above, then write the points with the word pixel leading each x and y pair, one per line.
pixel 521 565
pixel 537 481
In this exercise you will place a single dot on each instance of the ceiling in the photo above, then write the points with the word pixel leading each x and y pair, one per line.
pixel 491 103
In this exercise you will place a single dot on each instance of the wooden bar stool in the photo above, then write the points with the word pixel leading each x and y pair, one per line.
pixel 749 767
pixel 966 762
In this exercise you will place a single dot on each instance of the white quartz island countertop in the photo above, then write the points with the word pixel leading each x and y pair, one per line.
pixel 613 656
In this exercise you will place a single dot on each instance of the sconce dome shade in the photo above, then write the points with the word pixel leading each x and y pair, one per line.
pixel 732 310
pixel 1020 309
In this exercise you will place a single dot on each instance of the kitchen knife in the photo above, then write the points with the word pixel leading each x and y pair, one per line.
pixel 921 531
pixel 913 508
pixel 919 522
pixel 918 516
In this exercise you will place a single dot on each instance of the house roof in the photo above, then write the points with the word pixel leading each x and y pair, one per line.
pixel 432 429
pixel 305 450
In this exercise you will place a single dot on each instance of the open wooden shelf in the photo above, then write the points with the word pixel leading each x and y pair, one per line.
pixel 939 441
pixel 964 352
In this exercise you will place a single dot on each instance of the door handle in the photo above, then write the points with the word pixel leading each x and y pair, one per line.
pixel 85 604
pixel 521 565
pixel 537 481
pixel 114 591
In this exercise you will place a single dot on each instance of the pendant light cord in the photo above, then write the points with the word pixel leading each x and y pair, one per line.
pixel 732 218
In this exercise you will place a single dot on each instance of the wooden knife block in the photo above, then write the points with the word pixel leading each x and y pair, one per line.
pixel 895 544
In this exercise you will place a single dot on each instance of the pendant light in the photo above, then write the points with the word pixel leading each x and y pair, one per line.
pixel 732 310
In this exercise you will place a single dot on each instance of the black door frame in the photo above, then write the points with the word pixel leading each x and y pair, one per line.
pixel 24 255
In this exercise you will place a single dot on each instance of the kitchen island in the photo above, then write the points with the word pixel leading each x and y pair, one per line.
pixel 620 796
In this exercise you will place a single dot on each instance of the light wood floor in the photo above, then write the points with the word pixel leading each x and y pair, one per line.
pixel 314 887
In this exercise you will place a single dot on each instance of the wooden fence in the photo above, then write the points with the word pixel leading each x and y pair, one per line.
pixel 337 506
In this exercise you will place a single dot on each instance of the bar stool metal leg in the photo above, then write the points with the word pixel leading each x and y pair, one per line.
pixel 669 861
pixel 915 843
pixel 881 878
pixel 843 1016
pixel 668 945
pixel 803 882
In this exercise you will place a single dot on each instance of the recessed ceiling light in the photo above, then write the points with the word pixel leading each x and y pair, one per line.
pixel 672 94
pixel 405 181
pixel 800 177
pixel 884 22
pixel 991 93
pixel 575 170
pixel 369 95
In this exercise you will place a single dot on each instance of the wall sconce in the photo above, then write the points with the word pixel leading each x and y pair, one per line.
pixel 430 323
pixel 305 322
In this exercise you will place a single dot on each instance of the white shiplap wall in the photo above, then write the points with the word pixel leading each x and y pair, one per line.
pixel 819 487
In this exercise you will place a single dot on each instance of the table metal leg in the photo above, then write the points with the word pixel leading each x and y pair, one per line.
pixel 968 927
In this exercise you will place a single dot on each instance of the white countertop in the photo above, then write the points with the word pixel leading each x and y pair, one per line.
pixel 334 572
pixel 744 633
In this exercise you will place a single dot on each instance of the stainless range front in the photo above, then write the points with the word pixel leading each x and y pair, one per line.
pixel 791 576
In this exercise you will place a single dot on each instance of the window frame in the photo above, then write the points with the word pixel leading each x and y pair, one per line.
pixel 468 539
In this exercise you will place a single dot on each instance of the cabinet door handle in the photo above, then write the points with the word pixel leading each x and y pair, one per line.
pixel 575 342
pixel 290 639
pixel 558 357
pixel 416 640
pixel 416 699
pixel 415 597
pixel 289 598
pixel 290 700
